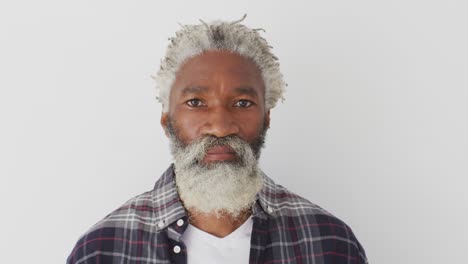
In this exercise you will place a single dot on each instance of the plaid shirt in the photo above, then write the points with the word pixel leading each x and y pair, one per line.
pixel 286 229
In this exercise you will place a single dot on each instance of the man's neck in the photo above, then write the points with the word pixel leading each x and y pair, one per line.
pixel 219 226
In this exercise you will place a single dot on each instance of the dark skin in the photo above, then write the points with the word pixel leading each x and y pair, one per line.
pixel 217 93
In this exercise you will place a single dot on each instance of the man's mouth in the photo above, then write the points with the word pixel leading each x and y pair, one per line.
pixel 220 153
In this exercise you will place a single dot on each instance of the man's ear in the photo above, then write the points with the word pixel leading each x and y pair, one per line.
pixel 164 120
pixel 267 119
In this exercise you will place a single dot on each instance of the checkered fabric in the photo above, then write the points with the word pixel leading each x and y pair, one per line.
pixel 286 229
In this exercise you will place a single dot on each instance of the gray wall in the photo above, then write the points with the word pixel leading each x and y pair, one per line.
pixel 373 129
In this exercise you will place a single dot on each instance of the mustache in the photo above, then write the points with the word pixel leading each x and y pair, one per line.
pixel 194 152
pixel 205 143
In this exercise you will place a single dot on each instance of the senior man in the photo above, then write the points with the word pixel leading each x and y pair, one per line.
pixel 217 85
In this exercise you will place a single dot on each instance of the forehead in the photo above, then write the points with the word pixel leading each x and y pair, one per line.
pixel 212 68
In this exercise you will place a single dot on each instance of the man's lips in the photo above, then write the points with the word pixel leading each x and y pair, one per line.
pixel 222 152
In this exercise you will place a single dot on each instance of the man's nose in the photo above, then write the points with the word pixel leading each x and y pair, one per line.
pixel 220 123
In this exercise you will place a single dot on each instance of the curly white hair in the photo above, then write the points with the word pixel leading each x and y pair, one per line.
pixel 192 40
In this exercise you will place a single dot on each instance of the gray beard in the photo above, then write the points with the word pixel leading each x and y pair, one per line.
pixel 227 187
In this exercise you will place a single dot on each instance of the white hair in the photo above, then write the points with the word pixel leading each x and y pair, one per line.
pixel 192 40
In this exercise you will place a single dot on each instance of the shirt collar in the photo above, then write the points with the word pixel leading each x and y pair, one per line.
pixel 168 207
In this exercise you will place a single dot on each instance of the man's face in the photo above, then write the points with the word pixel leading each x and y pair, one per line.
pixel 217 94
pixel 216 124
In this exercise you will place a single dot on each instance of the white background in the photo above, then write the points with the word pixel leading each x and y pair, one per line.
pixel 373 129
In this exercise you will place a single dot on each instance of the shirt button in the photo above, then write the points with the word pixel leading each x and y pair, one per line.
pixel 161 224
pixel 270 210
pixel 176 249
pixel 180 222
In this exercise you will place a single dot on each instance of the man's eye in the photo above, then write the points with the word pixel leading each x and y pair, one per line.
pixel 194 103
pixel 243 103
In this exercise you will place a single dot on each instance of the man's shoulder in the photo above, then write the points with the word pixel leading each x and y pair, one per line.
pixel 138 209
pixel 308 221
pixel 146 209
pixel 288 203
pixel 293 205
pixel 132 224
pixel 135 213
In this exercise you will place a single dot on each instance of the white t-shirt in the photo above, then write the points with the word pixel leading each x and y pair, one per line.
pixel 205 248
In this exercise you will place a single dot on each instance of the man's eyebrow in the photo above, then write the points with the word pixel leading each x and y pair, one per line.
pixel 246 90
pixel 194 89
